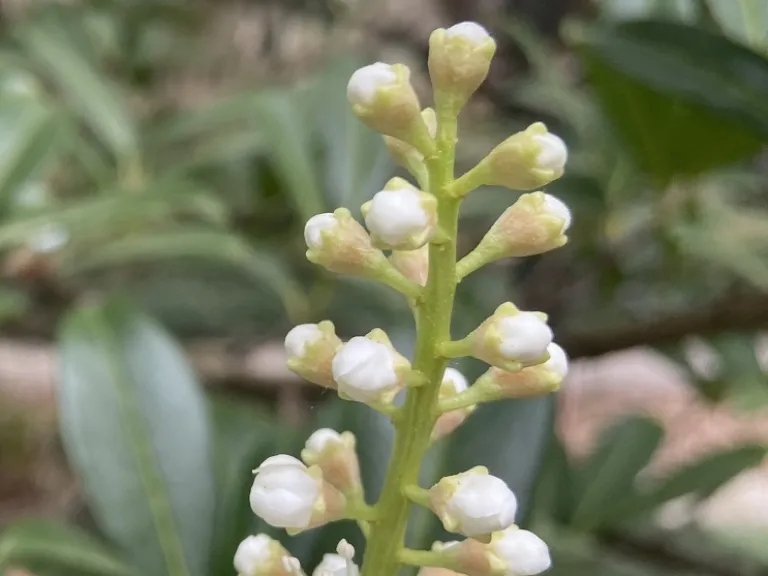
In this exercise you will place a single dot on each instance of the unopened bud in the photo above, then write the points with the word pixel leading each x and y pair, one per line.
pixel 260 555
pixel 368 368
pixel 516 552
pixel 340 244
pixel 524 161
pixel 453 384
pixel 511 338
pixel 383 98
pixel 459 59
pixel 406 155
pixel 310 349
pixel 473 503
pixel 336 457
pixel 401 217
pixel 336 565
pixel 413 264
pixel 532 381
pixel 287 494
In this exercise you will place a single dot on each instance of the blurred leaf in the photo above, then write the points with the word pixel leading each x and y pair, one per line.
pixel 244 437
pixel 13 303
pixel 261 266
pixel 700 479
pixel 29 134
pixel 98 103
pixel 685 100
pixel 356 161
pixel 41 544
pixel 288 140
pixel 555 494
pixel 135 428
pixel 609 475
pixel 743 20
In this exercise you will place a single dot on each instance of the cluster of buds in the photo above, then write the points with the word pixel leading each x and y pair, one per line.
pixel 405 224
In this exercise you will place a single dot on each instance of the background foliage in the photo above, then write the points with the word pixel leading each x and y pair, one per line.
pixel 134 216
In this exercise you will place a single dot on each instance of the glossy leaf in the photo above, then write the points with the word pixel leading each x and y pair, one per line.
pixel 610 473
pixel 684 100
pixel 135 428
pixel 700 479
pixel 96 100
pixel 42 544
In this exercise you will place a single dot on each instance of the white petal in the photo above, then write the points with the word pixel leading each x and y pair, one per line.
pixel 364 82
pixel 483 504
pixel 553 154
pixel 524 553
pixel 524 337
pixel 471 31
pixel 556 207
pixel 456 379
pixel 558 361
pixel 280 461
pixel 394 215
pixel 334 565
pixel 364 369
pixel 315 226
pixel 252 553
pixel 321 438
pixel 301 336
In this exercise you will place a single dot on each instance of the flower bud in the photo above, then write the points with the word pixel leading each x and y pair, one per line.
pixel 335 565
pixel 406 155
pixel 532 381
pixel 453 384
pixel 459 59
pixel 292 566
pixel 536 223
pixel 368 368
pixel 413 264
pixel 510 338
pixel 340 244
pixel 287 494
pixel 524 161
pixel 516 552
pixel 473 503
pixel 383 98
pixel 335 455
pixel 260 555
pixel 310 349
pixel 401 217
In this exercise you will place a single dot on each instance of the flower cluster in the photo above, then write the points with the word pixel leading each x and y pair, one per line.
pixel 409 243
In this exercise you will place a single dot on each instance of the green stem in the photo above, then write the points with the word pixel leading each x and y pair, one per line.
pixel 433 321
pixel 417 495
pixel 473 395
pixel 425 558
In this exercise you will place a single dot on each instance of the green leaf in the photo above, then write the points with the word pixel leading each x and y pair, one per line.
pixel 263 267
pixel 684 100
pixel 135 428
pixel 41 544
pixel 610 473
pixel 288 140
pixel 29 135
pixel 555 494
pixel 700 479
pixel 245 435
pixel 91 95
pixel 743 20
pixel 356 161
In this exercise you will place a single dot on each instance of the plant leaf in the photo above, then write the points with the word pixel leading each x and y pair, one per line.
pixel 609 474
pixel 135 428
pixel 39 544
pixel 744 20
pixel 685 100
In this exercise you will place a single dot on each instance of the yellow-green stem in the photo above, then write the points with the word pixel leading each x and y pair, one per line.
pixel 433 321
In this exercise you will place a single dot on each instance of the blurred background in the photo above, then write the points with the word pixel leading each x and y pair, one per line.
pixel 158 160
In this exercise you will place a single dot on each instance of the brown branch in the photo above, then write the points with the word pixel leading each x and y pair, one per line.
pixel 739 311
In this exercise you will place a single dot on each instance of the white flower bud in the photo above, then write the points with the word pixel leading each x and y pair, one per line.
pixel 292 566
pixel 553 153
pixel 511 339
pixel 524 337
pixel 323 438
pixel 516 552
pixel 313 230
pixel 336 456
pixel 335 565
pixel 364 82
pixel 401 217
pixel 301 336
pixel 558 361
pixel 453 382
pixel 309 349
pixel 284 493
pixel 367 369
pixel 259 555
pixel 473 503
